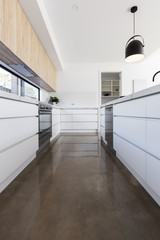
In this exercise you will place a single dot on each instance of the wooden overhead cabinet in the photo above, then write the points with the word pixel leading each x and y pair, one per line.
pixel 20 44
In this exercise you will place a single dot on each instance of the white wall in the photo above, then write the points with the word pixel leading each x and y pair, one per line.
pixel 78 85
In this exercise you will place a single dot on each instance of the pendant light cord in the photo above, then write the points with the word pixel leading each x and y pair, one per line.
pixel 134 24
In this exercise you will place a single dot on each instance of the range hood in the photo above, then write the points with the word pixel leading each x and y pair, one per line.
pixel 9 58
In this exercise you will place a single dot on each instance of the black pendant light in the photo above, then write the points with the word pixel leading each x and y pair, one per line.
pixel 134 47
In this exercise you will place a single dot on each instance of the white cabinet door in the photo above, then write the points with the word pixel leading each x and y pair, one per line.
pixel 14 130
pixel 14 157
pixel 153 173
pixel 132 129
pixel 85 118
pixel 134 108
pixel 55 131
pixel 152 106
pixel 132 155
pixel 10 108
pixel 153 137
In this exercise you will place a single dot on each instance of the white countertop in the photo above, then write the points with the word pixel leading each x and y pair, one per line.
pixel 144 93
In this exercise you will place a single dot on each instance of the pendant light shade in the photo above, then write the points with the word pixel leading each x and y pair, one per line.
pixel 134 51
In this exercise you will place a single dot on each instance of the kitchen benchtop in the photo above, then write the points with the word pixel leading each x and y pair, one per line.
pixel 15 97
pixel 140 94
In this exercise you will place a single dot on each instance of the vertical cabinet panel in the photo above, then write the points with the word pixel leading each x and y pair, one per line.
pixel 153 137
pixel 151 106
pixel 153 173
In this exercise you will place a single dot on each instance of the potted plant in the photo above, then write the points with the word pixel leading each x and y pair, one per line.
pixel 53 100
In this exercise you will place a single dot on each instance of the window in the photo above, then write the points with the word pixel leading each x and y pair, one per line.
pixel 12 83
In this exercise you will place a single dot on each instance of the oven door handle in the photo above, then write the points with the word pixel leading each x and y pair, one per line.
pixel 43 112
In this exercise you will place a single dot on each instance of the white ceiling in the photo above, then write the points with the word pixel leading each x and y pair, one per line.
pixel 96 32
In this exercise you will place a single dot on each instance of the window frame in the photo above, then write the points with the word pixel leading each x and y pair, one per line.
pixel 21 80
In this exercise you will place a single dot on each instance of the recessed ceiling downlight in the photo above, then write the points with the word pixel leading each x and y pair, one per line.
pixel 75 7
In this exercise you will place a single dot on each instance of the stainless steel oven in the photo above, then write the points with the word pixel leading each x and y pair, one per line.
pixel 45 125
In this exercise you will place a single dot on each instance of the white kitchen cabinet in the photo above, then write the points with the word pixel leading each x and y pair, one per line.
pixel 131 129
pixel 102 120
pixel 103 132
pixel 131 155
pixel 55 111
pixel 14 130
pixel 79 120
pixel 10 108
pixel 153 137
pixel 102 110
pixel 14 157
pixel 135 108
pixel 55 131
pixel 55 119
pixel 153 173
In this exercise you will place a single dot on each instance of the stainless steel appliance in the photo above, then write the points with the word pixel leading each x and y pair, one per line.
pixel 109 126
pixel 45 124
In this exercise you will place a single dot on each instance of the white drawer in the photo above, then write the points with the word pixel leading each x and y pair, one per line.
pixel 152 106
pixel 132 155
pixel 85 126
pixel 55 130
pixel 67 126
pixel 66 111
pixel 16 129
pixel 153 136
pixel 132 129
pixel 134 108
pixel 85 111
pixel 153 173
pixel 85 118
pixel 10 108
pixel 14 157
pixel 66 118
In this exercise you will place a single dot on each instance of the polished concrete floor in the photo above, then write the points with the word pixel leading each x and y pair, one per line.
pixel 76 190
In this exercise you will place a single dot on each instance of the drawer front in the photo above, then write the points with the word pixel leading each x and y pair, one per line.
pixel 85 126
pixel 10 108
pixel 55 130
pixel 153 173
pixel 132 129
pixel 151 106
pixel 66 126
pixel 134 108
pixel 14 157
pixel 85 118
pixel 66 111
pixel 17 129
pixel 132 155
pixel 153 136
pixel 85 111
pixel 66 118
